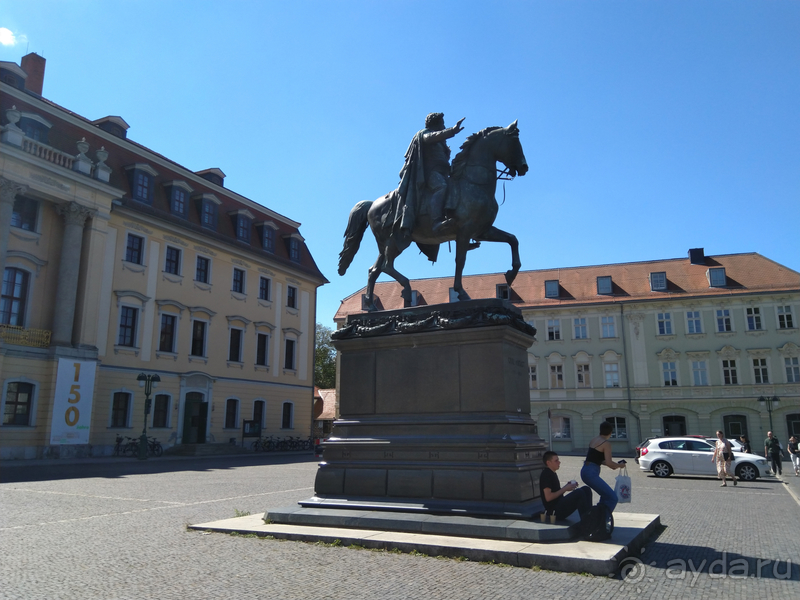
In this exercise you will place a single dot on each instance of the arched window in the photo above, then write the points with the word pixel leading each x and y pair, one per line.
pixel 259 412
pixel 735 426
pixel 18 403
pixel 793 424
pixel 231 413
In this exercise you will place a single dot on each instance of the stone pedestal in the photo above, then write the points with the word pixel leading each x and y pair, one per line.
pixel 435 413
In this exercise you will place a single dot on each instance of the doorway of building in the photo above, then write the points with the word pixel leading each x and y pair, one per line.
pixel 195 415
pixel 674 425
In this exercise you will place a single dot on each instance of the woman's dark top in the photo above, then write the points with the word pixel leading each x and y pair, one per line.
pixel 746 447
pixel 792 446
pixel 595 456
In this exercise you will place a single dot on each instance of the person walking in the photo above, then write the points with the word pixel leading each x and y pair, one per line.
pixel 599 453
pixel 794 454
pixel 773 452
pixel 723 453
pixel 745 444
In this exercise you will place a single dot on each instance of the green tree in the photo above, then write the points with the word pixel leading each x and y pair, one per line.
pixel 324 359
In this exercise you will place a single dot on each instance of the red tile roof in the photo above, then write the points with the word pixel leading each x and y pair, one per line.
pixel 324 404
pixel 746 274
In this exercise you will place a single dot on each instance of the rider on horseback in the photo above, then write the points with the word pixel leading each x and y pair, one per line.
pixel 426 171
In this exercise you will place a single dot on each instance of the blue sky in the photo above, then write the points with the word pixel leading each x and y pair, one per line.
pixel 650 127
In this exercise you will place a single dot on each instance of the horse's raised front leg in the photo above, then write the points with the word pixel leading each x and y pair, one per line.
pixel 389 269
pixel 374 271
pixel 462 246
pixel 498 235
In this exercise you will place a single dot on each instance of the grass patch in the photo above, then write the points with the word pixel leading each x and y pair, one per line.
pixel 240 513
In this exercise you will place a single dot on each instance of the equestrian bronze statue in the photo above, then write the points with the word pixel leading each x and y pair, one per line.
pixel 435 204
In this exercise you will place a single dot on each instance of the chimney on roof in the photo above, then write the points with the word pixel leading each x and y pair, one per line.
pixel 697 256
pixel 33 65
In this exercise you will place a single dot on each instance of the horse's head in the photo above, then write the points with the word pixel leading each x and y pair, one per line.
pixel 509 150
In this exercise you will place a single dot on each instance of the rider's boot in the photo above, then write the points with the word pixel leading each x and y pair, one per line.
pixel 442 224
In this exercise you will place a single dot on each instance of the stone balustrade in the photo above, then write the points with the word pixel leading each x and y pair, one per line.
pixel 48 153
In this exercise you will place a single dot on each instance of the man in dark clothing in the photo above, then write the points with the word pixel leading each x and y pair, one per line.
pixel 555 498
pixel 773 452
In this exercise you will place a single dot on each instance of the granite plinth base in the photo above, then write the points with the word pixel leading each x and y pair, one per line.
pixel 435 411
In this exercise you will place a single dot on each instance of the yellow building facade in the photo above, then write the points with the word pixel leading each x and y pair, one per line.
pixel 118 261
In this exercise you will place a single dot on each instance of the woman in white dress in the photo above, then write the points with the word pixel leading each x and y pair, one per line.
pixel 723 453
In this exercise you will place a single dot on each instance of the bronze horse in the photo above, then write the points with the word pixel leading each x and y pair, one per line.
pixel 474 179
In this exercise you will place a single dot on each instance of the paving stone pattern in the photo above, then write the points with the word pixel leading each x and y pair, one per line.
pixel 116 529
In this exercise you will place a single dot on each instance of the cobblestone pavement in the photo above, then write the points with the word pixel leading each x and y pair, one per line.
pixel 116 529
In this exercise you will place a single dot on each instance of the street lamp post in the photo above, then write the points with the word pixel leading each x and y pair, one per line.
pixel 148 382
pixel 769 404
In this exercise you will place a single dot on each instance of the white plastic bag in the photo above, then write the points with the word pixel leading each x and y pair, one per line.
pixel 623 486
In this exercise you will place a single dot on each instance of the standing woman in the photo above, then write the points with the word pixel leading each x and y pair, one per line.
pixel 745 444
pixel 600 454
pixel 794 454
pixel 723 453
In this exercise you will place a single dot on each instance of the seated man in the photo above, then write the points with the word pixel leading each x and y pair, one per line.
pixel 555 498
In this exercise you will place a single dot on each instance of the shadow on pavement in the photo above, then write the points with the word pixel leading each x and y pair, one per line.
pixel 26 471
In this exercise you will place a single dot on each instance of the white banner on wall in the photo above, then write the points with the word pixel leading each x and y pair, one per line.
pixel 72 403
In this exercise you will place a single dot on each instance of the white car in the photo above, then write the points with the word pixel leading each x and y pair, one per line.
pixel 692 456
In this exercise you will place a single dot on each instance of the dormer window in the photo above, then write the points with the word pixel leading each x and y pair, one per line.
pixel 178 194
pixel 551 288
pixel 208 209
pixel 658 281
pixel 35 127
pixel 266 233
pixel 142 178
pixel 716 277
pixel 501 291
pixel 293 246
pixel 604 285
pixel 242 224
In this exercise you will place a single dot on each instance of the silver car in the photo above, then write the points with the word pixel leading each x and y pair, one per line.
pixel 692 456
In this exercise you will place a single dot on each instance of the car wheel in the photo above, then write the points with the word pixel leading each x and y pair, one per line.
pixel 746 472
pixel 661 469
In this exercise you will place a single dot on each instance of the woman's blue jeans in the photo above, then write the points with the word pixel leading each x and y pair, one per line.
pixel 590 474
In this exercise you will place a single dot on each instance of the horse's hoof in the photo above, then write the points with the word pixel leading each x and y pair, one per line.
pixel 511 276
pixel 463 296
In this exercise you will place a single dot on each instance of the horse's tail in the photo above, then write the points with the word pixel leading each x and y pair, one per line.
pixel 356 226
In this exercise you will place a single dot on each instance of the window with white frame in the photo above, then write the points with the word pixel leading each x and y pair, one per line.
pixel 583 376
pixel 502 291
pixel 724 322
pixel 287 416
pixel 581 332
pixel 198 346
pixel 290 359
pixel 231 413
pixel 235 345
pixel 604 284
pixel 785 317
pixel 669 370
pixel 14 298
pixel 18 405
pixel 161 405
pixel 556 377
pixel 264 288
pixel 792 365
pixel 120 409
pixel 291 296
pixel 238 283
pixel 128 320
pixel 658 281
pixel 262 349
pixel 551 288
pixel 608 327
pixel 24 214
pixel 172 261
pixel 561 428
pixel 753 318
pixel 699 372
pixel 167 335
pixel 134 249
pixel 611 371
pixel 664 323
pixel 554 329
pixel 620 430
pixel 760 372
pixel 693 322
pixel 532 377
pixel 716 277
pixel 203 270
pixel 729 374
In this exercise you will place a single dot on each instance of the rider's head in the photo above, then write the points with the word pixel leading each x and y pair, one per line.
pixel 434 121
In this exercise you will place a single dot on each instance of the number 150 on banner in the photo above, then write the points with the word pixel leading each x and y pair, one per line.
pixel 72 403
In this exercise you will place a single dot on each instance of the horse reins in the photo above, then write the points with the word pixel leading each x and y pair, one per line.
pixel 505 175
